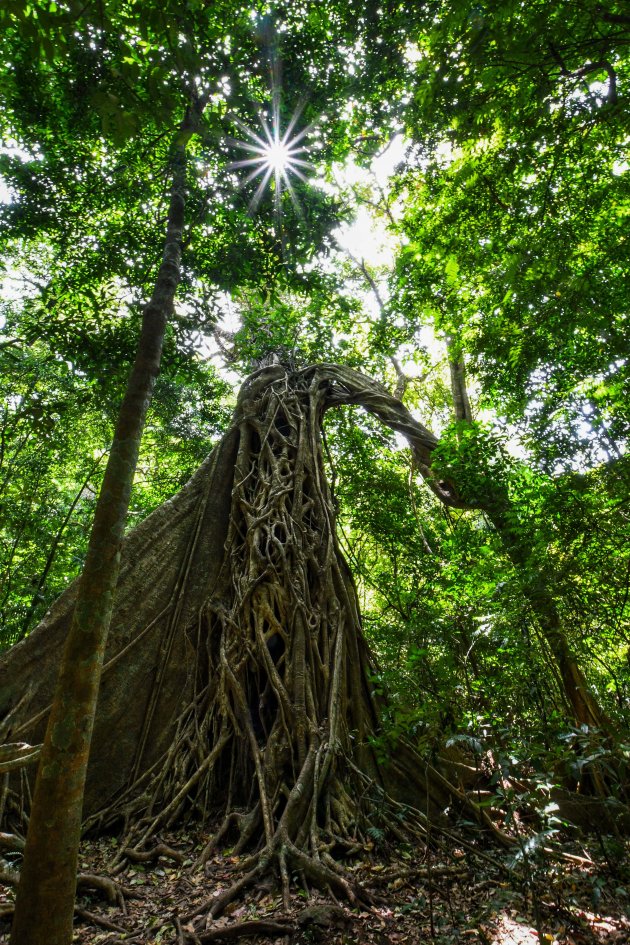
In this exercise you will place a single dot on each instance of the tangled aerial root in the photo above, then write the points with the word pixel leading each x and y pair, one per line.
pixel 278 736
pixel 276 728
pixel 281 721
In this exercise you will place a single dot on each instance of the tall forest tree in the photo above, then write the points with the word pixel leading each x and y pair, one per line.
pixel 508 253
pixel 48 876
pixel 242 685
pixel 251 642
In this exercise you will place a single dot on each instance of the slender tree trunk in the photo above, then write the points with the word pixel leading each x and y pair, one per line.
pixel 535 585
pixel 461 401
pixel 45 898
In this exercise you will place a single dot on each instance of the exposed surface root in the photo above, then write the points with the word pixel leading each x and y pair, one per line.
pixel 16 755
pixel 100 920
pixel 280 860
pixel 11 843
pixel 280 726
pixel 149 856
pixel 112 891
pixel 247 929
pixel 6 911
pixel 276 727
pixel 318 919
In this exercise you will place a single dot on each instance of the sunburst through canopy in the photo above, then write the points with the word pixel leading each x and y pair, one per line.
pixel 276 155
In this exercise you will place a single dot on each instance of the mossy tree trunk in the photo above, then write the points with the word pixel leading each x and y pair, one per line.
pixel 45 898
pixel 535 582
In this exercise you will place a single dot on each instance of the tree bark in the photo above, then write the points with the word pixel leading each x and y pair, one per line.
pixel 459 390
pixel 47 889
pixel 240 682
pixel 535 584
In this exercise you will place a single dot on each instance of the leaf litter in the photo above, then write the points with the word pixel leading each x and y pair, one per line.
pixel 417 897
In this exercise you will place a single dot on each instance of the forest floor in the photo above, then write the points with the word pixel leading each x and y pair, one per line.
pixel 463 895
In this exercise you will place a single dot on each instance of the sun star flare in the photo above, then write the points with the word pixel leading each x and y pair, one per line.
pixel 274 155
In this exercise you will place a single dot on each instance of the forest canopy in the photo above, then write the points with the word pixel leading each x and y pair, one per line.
pixel 366 265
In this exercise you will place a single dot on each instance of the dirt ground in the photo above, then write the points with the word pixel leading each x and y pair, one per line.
pixel 468 895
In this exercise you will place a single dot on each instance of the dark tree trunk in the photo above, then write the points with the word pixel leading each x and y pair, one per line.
pixel 45 899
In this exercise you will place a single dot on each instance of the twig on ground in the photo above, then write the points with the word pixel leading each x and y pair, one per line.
pixel 99 920
pixel 179 930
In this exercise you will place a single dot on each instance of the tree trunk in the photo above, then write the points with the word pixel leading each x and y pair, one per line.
pixel 45 899
pixel 237 681
pixel 535 585
pixel 459 389
pixel 583 706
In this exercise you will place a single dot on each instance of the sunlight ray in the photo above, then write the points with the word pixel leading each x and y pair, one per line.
pixel 255 202
pixel 292 123
pixel 256 173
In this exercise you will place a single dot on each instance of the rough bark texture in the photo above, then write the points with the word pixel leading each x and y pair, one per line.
pixel 580 700
pixel 536 586
pixel 459 388
pixel 236 679
pixel 45 899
